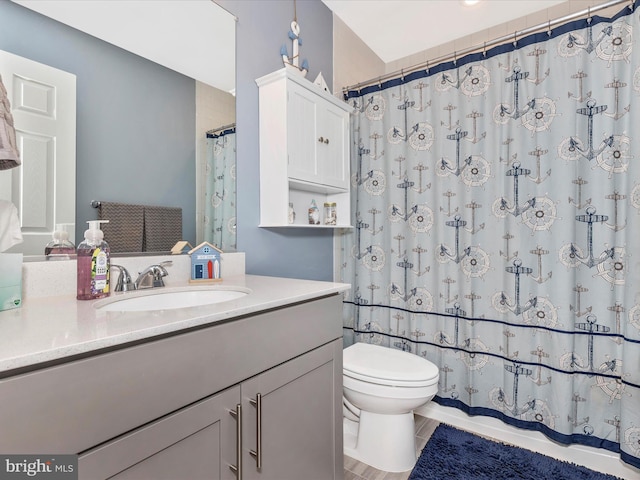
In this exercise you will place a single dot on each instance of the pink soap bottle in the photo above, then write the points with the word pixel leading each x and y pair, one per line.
pixel 93 256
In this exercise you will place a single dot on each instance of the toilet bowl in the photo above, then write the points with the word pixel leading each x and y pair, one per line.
pixel 382 386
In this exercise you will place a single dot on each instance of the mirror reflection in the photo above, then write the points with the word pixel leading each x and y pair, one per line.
pixel 141 126
pixel 220 188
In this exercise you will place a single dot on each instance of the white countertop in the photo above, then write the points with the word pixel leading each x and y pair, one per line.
pixel 52 328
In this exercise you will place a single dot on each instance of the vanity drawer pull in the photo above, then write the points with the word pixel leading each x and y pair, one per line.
pixel 257 453
pixel 237 468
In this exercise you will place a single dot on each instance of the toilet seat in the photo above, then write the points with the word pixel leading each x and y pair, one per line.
pixel 388 366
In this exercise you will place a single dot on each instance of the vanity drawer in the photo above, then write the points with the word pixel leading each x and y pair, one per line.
pixel 74 406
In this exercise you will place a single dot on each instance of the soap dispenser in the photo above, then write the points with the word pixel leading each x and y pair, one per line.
pixel 60 248
pixel 93 263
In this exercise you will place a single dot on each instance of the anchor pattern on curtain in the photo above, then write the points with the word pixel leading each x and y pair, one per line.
pixel 496 212
pixel 220 191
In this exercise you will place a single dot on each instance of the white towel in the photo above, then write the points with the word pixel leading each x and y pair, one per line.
pixel 10 233
pixel 9 154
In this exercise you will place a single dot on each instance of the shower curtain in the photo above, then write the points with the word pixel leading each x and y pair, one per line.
pixel 497 213
pixel 220 191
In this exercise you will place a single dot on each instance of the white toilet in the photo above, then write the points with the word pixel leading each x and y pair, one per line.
pixel 382 386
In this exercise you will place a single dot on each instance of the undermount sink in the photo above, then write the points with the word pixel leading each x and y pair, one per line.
pixel 170 298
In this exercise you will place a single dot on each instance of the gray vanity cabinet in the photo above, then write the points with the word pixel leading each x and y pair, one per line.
pixel 295 423
pixel 166 408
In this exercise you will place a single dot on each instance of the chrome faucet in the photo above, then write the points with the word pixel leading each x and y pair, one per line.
pixel 124 283
pixel 151 277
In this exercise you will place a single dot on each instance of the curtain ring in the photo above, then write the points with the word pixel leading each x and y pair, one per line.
pixel 402 75
pixel 589 15
pixel 427 69
pixel 455 57
pixel 549 28
pixel 484 50
pixel 515 39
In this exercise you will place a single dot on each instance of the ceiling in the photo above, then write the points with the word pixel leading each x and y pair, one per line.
pixel 394 29
pixel 156 30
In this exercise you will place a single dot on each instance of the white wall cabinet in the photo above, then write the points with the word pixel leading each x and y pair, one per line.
pixel 304 150
pixel 187 406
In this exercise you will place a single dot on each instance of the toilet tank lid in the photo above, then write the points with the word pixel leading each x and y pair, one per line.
pixel 387 363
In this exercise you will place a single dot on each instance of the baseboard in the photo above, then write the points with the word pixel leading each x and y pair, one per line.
pixel 593 458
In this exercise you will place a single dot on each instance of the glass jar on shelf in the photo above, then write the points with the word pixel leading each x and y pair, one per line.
pixel 330 213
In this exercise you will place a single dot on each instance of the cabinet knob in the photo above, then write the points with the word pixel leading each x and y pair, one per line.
pixel 324 140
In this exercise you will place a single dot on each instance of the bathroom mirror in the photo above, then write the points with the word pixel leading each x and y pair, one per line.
pixel 178 56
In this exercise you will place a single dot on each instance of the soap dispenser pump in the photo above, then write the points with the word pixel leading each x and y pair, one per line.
pixel 60 248
pixel 93 263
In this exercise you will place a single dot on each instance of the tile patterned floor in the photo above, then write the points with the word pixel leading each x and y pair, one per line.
pixel 355 470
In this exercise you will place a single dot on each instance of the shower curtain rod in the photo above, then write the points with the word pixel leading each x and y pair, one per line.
pixel 222 128
pixel 482 47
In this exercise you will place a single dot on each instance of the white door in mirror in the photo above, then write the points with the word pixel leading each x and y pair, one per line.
pixel 43 104
pixel 170 299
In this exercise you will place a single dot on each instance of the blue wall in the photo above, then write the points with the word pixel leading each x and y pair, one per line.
pixel 135 119
pixel 262 29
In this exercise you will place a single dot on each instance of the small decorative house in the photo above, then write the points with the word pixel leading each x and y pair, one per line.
pixel 180 248
pixel 205 263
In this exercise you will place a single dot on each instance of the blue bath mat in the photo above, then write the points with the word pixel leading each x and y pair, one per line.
pixel 453 454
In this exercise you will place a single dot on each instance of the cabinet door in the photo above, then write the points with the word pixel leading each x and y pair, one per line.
pixel 298 419
pixel 301 134
pixel 333 151
pixel 198 442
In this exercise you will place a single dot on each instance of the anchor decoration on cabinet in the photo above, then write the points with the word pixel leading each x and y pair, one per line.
pixel 293 62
